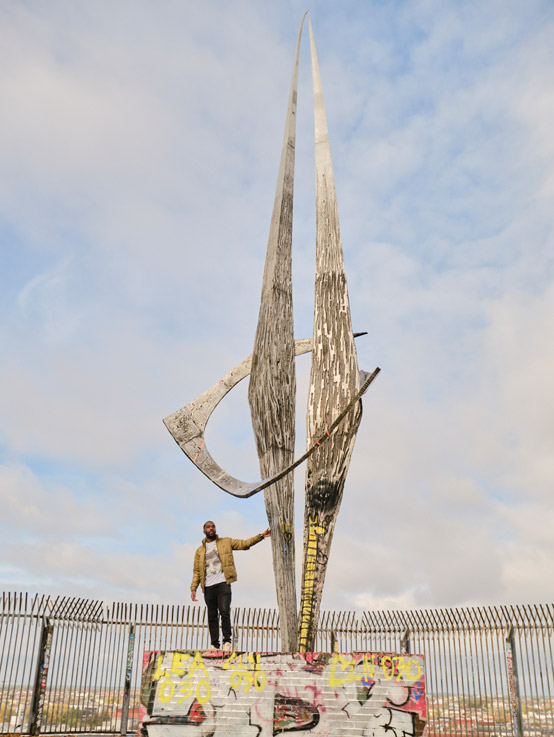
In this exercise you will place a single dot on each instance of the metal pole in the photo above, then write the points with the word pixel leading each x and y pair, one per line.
pixel 39 686
pixel 515 700
pixel 405 643
pixel 128 674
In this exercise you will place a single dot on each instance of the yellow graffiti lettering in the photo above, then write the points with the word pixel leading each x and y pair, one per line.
pixel 159 672
pixel 227 663
pixel 166 689
pixel 404 666
pixel 387 664
pixel 246 680
pixel 166 686
pixel 368 668
pixel 309 580
pixel 178 660
pixel 235 679
pixel 236 662
pixel 203 698
pixel 346 665
pixel 177 665
pixel 333 680
pixel 246 672
pixel 244 663
pixel 185 690
pixel 197 664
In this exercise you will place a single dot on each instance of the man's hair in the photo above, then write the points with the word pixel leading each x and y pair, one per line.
pixel 207 523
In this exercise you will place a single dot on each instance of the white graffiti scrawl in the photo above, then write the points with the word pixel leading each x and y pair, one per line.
pixel 207 694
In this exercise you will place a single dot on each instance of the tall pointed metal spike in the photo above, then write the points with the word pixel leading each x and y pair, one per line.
pixel 334 379
pixel 272 389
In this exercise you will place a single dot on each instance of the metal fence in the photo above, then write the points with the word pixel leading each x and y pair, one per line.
pixel 74 665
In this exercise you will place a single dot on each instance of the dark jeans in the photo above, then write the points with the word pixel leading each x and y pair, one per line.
pixel 218 601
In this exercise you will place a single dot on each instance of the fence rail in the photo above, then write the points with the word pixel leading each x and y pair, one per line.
pixel 74 665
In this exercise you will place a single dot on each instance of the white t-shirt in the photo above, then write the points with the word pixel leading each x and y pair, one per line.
pixel 214 571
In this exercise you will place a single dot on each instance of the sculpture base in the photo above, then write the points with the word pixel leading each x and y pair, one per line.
pixel 251 694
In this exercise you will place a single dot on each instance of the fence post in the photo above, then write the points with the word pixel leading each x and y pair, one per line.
pixel 405 643
pixel 515 699
pixel 41 674
pixel 128 674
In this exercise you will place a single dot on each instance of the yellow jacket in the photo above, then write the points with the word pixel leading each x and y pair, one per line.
pixel 225 547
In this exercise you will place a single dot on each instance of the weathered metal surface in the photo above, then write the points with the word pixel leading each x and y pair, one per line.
pixel 513 680
pixel 187 426
pixel 334 380
pixel 39 689
pixel 127 685
pixel 272 388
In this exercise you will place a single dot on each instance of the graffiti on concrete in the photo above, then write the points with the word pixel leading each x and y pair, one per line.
pixel 261 694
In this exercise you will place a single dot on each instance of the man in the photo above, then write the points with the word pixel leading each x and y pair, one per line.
pixel 214 569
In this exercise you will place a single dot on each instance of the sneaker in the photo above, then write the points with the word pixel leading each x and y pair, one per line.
pixel 213 649
pixel 226 647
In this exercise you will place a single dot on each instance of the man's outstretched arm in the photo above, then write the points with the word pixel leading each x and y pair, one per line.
pixel 245 544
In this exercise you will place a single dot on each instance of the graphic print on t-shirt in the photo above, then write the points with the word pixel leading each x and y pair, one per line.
pixel 214 571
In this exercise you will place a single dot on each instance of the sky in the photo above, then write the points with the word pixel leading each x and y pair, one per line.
pixel 139 150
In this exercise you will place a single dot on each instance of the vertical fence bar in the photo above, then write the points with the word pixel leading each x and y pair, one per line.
pixel 515 699
pixel 505 707
pixel 548 665
pixel 39 686
pixel 28 631
pixel 114 673
pixel 64 657
pixel 405 643
pixel 128 674
pixel 14 630
pixel 103 691
pixel 120 653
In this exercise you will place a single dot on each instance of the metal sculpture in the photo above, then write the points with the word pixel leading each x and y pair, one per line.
pixel 272 388
pixel 336 387
pixel 334 378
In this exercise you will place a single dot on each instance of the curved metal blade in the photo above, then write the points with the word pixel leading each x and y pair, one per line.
pixel 187 426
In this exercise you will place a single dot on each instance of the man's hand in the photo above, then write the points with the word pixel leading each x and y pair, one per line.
pixel 193 595
pixel 267 533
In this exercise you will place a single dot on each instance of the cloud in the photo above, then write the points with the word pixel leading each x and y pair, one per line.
pixel 139 153
pixel 29 507
pixel 71 567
